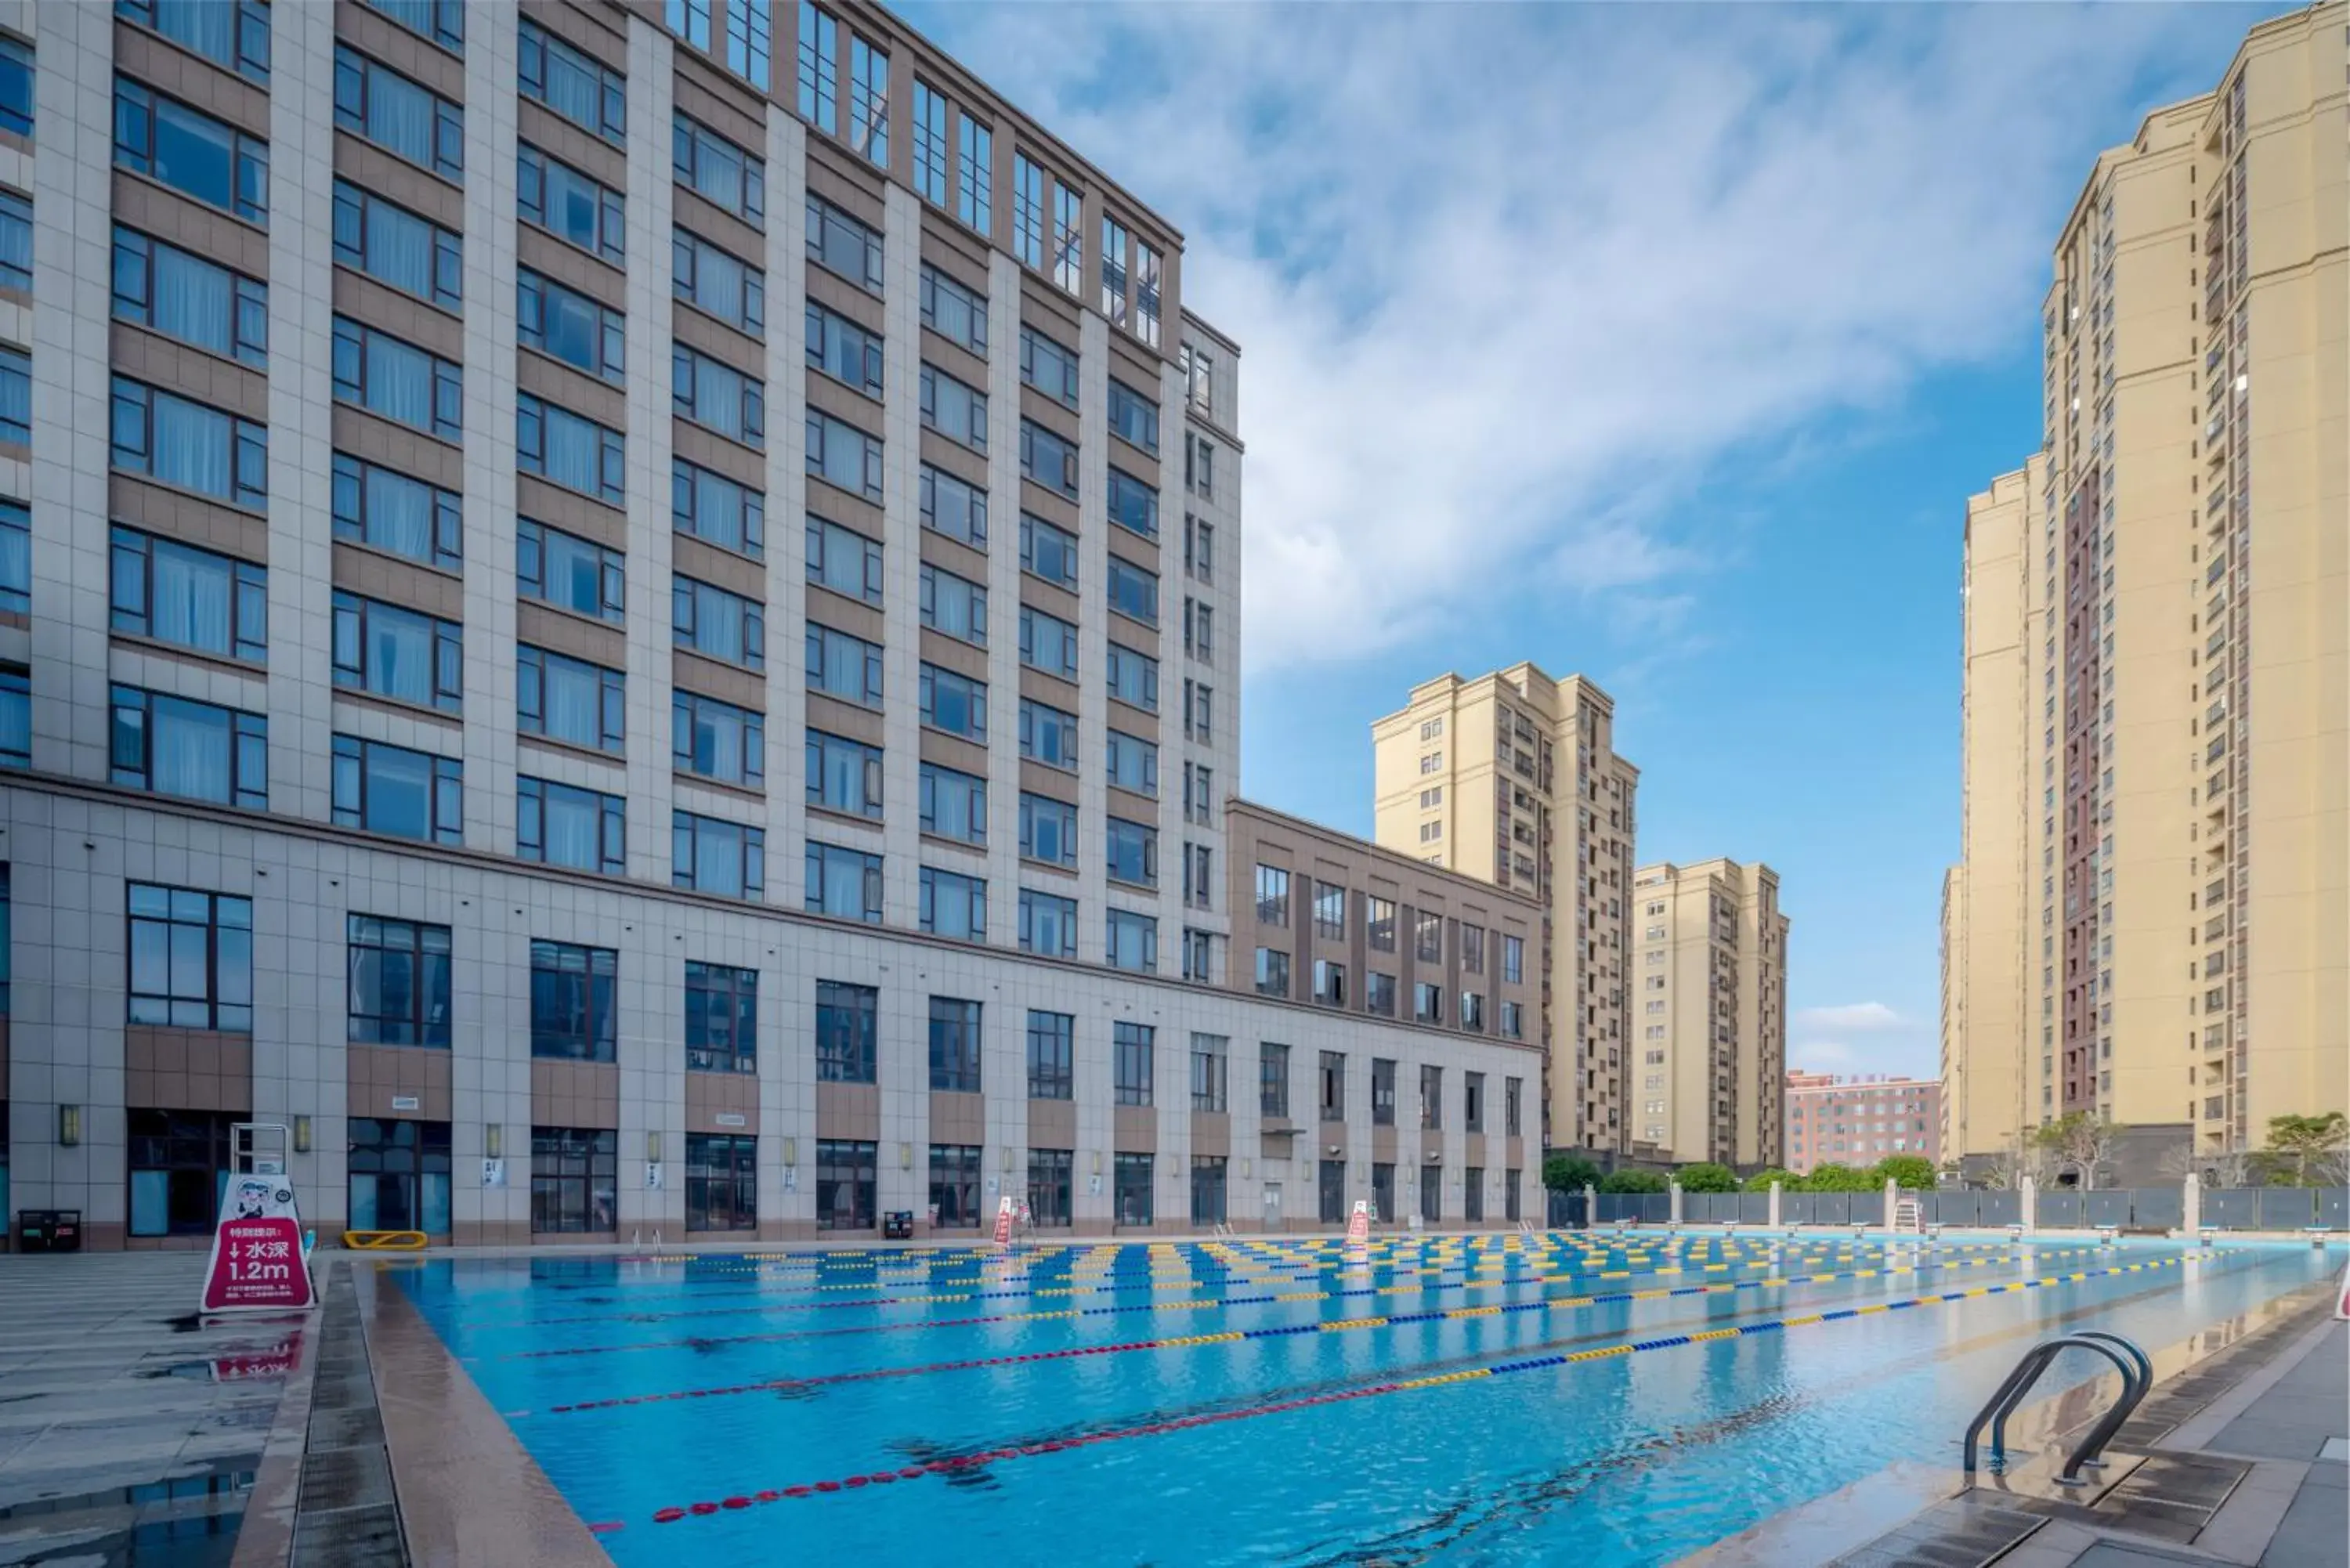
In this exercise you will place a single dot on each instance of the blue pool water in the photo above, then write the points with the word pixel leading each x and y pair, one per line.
pixel 1309 1430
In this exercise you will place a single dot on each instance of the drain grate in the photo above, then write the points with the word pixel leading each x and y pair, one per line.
pixel 346 1515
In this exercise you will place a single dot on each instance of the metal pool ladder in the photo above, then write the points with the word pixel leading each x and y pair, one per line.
pixel 2137 1377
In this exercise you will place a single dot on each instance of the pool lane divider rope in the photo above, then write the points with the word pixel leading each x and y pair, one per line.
pixel 921 1298
pixel 1238 1336
pixel 1218 1303
pixel 959 1462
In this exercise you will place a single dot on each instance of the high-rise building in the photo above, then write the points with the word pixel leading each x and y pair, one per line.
pixel 1709 1012
pixel 2151 922
pixel 1859 1121
pixel 334 579
pixel 1512 778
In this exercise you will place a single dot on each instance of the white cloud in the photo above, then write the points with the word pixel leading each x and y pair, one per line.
pixel 1510 282
pixel 1851 1018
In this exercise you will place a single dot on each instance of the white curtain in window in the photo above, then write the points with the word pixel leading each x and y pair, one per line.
pixel 188 752
pixel 16 557
pixel 400 654
pixel 399 248
pixel 399 116
pixel 190 446
pixel 574 828
pixel 399 513
pixel 573 456
pixel 192 300
pixel 574 699
pixel 400 382
pixel 191 599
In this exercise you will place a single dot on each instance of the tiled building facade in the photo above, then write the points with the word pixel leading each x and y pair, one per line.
pixel 1859 1121
pixel 386 377
pixel 1709 1005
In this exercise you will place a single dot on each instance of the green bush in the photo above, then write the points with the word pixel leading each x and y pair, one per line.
pixel 1568 1173
pixel 1838 1178
pixel 1913 1171
pixel 1707 1177
pixel 1633 1181
pixel 1762 1179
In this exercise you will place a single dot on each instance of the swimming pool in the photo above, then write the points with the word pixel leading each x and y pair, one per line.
pixel 1611 1401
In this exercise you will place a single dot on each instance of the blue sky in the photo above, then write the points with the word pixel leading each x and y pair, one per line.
pixel 1660 344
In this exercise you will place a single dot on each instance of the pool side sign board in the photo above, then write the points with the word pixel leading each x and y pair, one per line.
pixel 258 1263
pixel 2342 1299
pixel 1358 1224
pixel 1004 1221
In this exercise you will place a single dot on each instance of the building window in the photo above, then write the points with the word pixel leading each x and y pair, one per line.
pixel 1049 1188
pixel 1133 677
pixel 1208 1188
pixel 844 561
pixel 1048 830
pixel 564 449
pixel 747 43
pixel 1379 994
pixel 1048 552
pixel 1133 592
pixel 689 21
pixel 169 745
pixel 954 1186
pixel 170 291
pixel 1198 956
pixel 174 441
pixel 848 1032
pixel 179 1163
pixel 189 598
pixel 1132 942
pixel 1210 1055
pixel 574 1001
pixel 575 1177
pixel 1272 896
pixel 1472 948
pixel 718 283
pixel 440 21
pixel 1329 983
pixel 1133 505
pixel 1068 239
pixel 1131 1048
pixel 1383 1095
pixel 566 571
pixel 975 188
pixel 954 1045
pixel 1271 972
pixel 954 312
pixel 954 904
pixel 397 114
pixel 1113 271
pixel 722 1177
pixel 715 169
pixel 1199 876
pixel 843 350
pixel 400 654
pixel 390 789
pixel 1028 211
pixel 1431 1098
pixel 1513 1021
pixel 566 325
pixel 708 620
pixel 1513 960
pixel 952 507
pixel 562 825
pixel 1428 1003
pixel 1329 911
pixel 399 982
pixel 194 154
pixel 819 69
pixel 566 700
pixel 1199 549
pixel 869 101
pixel 583 90
pixel 389 511
pixel 15 242
pixel 954 408
pixel 1131 852
pixel 843 456
pixel 1145 293
pixel 710 855
pixel 1272 1079
pixel 1048 925
pixel 844 1182
pixel 718 397
pixel 1472 1102
pixel 1132 1192
pixel 1052 1052
pixel 1332 1097
pixel 722 1018
pixel 1512 1095
pixel 399 1175
pixel 569 206
pixel 1383 1192
pixel 846 666
pixel 844 775
pixel 843 882
pixel 930 144
pixel 955 606
pixel 1428 938
pixel 191 959
pixel 1048 643
pixel 1051 370
pixel 842 245
pixel 1198 794
pixel 1134 417
pixel 1048 735
pixel 1431 1193
pixel 955 704
pixel 1048 460
pixel 231 34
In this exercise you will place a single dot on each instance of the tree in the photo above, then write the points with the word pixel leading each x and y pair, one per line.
pixel 1762 1179
pixel 1706 1177
pixel 1913 1171
pixel 2080 1140
pixel 2315 1147
pixel 1839 1179
pixel 1568 1173
pixel 1633 1181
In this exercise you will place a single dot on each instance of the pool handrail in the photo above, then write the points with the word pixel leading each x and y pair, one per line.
pixel 2137 1377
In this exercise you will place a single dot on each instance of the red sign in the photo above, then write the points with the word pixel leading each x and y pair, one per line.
pixel 1004 1224
pixel 1359 1225
pixel 257 1264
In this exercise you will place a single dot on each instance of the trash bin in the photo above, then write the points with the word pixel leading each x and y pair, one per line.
pixel 897 1225
pixel 49 1230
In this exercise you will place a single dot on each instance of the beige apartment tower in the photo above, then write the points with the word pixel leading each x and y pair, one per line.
pixel 1709 1005
pixel 2151 918
pixel 1513 778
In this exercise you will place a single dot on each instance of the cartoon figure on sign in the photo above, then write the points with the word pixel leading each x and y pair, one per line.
pixel 250 1203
